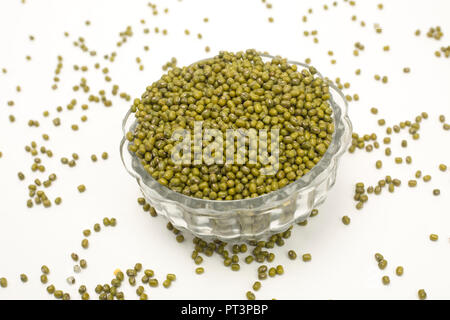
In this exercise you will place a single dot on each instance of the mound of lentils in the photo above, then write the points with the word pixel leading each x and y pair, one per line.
pixel 233 91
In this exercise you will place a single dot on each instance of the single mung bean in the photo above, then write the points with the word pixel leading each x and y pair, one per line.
pixel 272 272
pixel 422 294
pixel 250 295
pixel 58 294
pixel 256 286
pixel 153 282
pixel 346 220
pixel 51 289
pixel 131 272
pixel 199 270
pixel 85 243
pixel 106 222
pixel 233 188
pixel 412 183
pixel 198 260
pixel 149 273
pixel 378 257
pixel 382 264
pixel 292 255
pixel 44 278
pixel 306 257
pixel 171 277
pixel 99 289
pixel 280 269
pixel 378 164
pixel 45 269
pixel 262 275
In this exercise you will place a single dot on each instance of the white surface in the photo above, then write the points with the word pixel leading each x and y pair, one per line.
pixel 343 267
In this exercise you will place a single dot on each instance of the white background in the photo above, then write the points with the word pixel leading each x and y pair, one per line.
pixel 342 267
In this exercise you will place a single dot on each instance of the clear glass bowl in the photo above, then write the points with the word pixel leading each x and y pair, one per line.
pixel 247 219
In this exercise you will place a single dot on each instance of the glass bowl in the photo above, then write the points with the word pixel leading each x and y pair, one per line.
pixel 247 219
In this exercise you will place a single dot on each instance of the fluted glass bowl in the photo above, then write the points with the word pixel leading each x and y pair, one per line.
pixel 247 219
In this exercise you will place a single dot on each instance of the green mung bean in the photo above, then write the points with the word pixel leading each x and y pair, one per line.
pixel 106 222
pixel 346 220
pixel 292 255
pixel 23 277
pixel 45 269
pixel 250 295
pixel 85 243
pixel 256 286
pixel 171 277
pixel 153 282
pixel 51 289
pixel 199 270
pixel 44 278
pixel 279 116
pixel 382 264
pixel 378 164
pixel 272 272
pixel 412 183
pixel 167 283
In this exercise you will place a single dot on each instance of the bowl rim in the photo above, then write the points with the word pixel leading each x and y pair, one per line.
pixel 338 145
